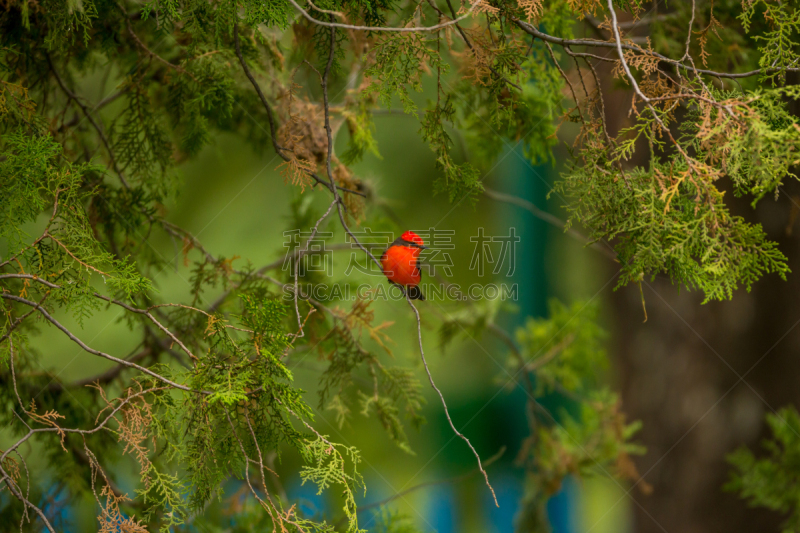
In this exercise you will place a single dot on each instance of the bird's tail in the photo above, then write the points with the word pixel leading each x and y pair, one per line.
pixel 415 293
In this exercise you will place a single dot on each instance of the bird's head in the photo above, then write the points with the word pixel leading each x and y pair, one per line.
pixel 414 239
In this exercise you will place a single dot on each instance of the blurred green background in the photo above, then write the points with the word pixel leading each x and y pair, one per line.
pixel 235 202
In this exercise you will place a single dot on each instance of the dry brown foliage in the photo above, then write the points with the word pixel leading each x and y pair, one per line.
pixel 704 34
pixel 585 6
pixel 48 419
pixel 657 86
pixel 361 316
pixel 134 425
pixel 475 62
pixel 354 203
pixel 111 519
pixel 532 8
pixel 304 132
pixel 11 466
pixel 642 59
pixel 134 431
pixel 717 125
pixel 481 6
pixel 472 64
pixel 304 139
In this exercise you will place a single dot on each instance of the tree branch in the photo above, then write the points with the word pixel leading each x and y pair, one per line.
pixel 92 351
pixel 550 219
pixel 125 306
pixel 270 116
pixel 469 43
pixel 378 28
pixel 457 479
pixel 444 404
pixel 301 332
pixel 149 52
pixel 531 30
pixel 72 96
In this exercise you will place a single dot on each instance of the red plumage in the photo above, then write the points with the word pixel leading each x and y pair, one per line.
pixel 400 263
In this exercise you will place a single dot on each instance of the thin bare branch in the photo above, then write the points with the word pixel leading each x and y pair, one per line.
pixel 125 306
pixel 532 30
pixel 19 320
pixel 268 507
pixel 92 351
pixel 618 42
pixel 101 425
pixel 379 28
pixel 12 486
pixel 550 219
pixel 444 404
pixel 689 33
pixel 145 49
pixel 301 332
pixel 567 80
pixel 87 112
pixel 453 480
pixel 270 116
pixel 110 374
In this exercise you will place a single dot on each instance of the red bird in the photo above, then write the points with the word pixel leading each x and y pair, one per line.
pixel 400 263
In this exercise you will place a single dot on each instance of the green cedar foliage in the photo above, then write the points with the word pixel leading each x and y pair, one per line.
pixel 102 100
pixel 670 217
pixel 771 481
pixel 562 356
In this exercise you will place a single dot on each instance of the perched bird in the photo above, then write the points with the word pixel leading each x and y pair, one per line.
pixel 400 263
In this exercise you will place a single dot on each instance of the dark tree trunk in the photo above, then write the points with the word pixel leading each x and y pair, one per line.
pixel 701 377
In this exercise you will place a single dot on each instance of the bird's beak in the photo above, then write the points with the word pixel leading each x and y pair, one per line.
pixel 423 246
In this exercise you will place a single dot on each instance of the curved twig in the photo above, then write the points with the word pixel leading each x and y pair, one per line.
pixel 144 312
pixel 301 332
pixel 444 404
pixel 530 29
pixel 92 351
pixel 550 219
pixel 87 112
pixel 379 28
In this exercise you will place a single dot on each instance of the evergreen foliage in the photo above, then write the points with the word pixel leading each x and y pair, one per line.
pixel 207 398
pixel 562 354
pixel 771 481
